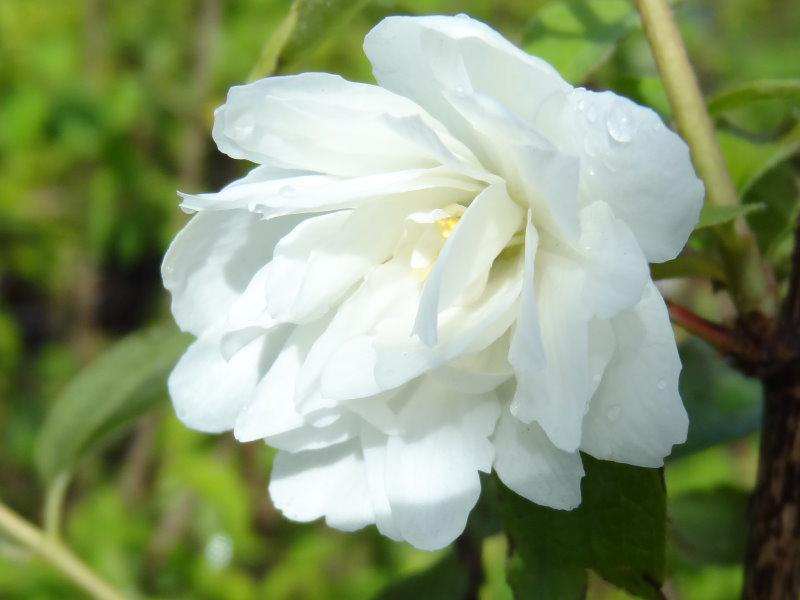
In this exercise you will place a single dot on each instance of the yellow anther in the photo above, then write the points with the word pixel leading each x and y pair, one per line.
pixel 445 225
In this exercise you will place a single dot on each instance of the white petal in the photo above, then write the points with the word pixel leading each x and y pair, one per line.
pixel 319 193
pixel 212 260
pixel 207 391
pixel 616 269
pixel 636 415
pixel 270 412
pixel 535 174
pixel 422 57
pixel 373 446
pixel 631 161
pixel 330 483
pixel 432 471
pixel 481 233
pixel 526 352
pixel 556 394
pixel 527 462
pixel 322 123
pixel 386 356
pixel 479 372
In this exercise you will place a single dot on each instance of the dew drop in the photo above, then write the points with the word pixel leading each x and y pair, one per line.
pixel 614 412
pixel 587 248
pixel 662 384
pixel 459 91
pixel 591 113
pixel 620 125
pixel 251 206
pixel 462 16
pixel 287 191
pixel 591 172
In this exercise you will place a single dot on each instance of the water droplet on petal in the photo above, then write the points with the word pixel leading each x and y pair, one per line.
pixel 591 113
pixel 591 172
pixel 462 16
pixel 620 125
pixel 587 248
pixel 251 206
pixel 459 91
pixel 662 384
pixel 614 412
pixel 287 191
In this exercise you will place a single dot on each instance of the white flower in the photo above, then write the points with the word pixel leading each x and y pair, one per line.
pixel 439 276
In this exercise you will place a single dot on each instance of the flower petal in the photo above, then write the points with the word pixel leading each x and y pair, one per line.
pixel 432 470
pixel 322 123
pixel 481 233
pixel 332 483
pixel 385 356
pixel 630 161
pixel 207 391
pixel 212 260
pixel 527 462
pixel 423 57
pixel 636 415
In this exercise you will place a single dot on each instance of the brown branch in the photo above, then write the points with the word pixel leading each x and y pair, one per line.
pixel 725 340
pixel 790 312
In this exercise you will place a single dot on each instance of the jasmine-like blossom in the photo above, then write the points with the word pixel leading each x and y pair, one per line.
pixel 436 276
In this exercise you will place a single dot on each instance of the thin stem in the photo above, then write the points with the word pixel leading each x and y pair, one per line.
pixel 724 339
pixel 56 554
pixel 748 279
pixel 54 505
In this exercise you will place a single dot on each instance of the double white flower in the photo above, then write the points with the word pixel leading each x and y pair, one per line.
pixel 439 276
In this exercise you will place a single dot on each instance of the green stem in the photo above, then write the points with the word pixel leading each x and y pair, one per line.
pixel 56 554
pixel 53 505
pixel 748 279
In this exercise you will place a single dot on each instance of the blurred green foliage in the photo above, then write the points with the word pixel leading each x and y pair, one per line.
pixel 105 111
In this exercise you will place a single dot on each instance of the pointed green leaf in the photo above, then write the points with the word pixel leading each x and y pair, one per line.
pixel 577 37
pixel 754 91
pixel 618 531
pixel 711 215
pixel 722 403
pixel 307 24
pixel 125 381
pixel 749 160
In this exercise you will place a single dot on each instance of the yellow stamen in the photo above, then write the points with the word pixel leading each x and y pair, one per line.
pixel 445 225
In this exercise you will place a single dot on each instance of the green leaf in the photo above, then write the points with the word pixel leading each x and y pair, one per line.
pixel 754 91
pixel 711 215
pixel 125 381
pixel 307 24
pixel 688 265
pixel 446 579
pixel 722 403
pixel 618 531
pixel 748 160
pixel 708 526
pixel 577 37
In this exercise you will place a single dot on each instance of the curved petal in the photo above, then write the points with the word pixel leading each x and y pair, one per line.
pixel 322 123
pixel 616 270
pixel 332 483
pixel 207 391
pixel 212 260
pixel 527 462
pixel 386 356
pixel 636 415
pixel 320 193
pixel 424 57
pixel 632 162
pixel 478 237
pixel 432 469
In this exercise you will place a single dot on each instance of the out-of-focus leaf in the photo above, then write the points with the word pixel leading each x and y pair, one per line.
pixel 618 531
pixel 118 386
pixel 722 403
pixel 444 580
pixel 754 91
pixel 576 37
pixel 688 265
pixel 748 161
pixel 306 25
pixel 708 526
pixel 711 214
